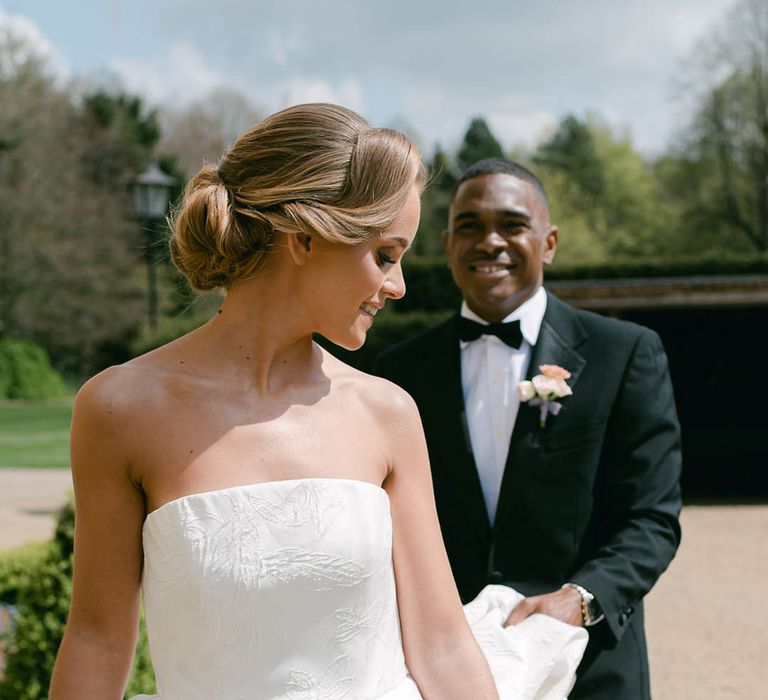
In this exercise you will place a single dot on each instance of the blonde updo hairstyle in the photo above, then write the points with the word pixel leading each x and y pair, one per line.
pixel 313 169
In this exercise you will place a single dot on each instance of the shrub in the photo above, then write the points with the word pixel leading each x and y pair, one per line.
pixel 5 377
pixel 389 328
pixel 26 372
pixel 142 678
pixel 15 566
pixel 42 606
pixel 37 579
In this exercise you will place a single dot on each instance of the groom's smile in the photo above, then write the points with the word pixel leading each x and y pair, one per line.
pixel 492 268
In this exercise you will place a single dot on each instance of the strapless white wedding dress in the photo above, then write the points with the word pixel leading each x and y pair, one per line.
pixel 285 590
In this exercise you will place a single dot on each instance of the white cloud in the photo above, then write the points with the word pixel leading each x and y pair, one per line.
pixel 184 76
pixel 34 44
pixel 686 24
pixel 280 47
pixel 522 128
pixel 515 119
pixel 347 92
pixel 181 76
pixel 521 65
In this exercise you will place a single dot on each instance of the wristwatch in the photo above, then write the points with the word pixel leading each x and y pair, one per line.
pixel 590 609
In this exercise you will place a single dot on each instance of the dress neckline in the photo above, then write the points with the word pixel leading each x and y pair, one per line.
pixel 275 482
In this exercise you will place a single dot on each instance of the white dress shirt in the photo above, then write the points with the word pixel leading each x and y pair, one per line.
pixel 490 372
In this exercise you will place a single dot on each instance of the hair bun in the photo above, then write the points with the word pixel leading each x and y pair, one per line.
pixel 208 244
pixel 315 168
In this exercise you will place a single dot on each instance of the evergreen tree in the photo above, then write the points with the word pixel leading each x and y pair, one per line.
pixel 120 136
pixel 479 143
pixel 571 150
pixel 602 192
pixel 435 203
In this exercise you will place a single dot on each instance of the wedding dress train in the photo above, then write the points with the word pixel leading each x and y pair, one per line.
pixel 285 590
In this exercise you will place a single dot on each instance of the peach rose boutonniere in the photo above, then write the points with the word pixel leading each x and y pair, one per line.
pixel 543 390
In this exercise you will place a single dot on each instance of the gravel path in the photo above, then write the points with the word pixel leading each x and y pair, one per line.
pixel 707 619
pixel 29 499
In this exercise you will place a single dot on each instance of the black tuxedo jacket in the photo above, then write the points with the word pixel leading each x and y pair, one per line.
pixel 592 497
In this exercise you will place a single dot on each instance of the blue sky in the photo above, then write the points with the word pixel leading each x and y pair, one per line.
pixel 432 65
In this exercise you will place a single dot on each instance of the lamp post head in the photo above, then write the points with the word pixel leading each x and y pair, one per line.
pixel 151 192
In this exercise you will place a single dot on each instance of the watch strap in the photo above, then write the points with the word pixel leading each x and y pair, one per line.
pixel 589 607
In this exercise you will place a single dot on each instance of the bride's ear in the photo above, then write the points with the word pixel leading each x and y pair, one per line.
pixel 299 246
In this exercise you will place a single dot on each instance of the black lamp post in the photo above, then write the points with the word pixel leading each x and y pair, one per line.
pixel 151 194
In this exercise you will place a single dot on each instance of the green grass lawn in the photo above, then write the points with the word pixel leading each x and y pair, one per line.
pixel 35 434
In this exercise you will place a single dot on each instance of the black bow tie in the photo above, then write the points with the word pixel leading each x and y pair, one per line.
pixel 508 332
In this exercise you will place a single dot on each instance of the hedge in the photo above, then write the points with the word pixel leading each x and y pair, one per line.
pixel 430 286
pixel 432 296
pixel 26 372
pixel 692 266
pixel 37 581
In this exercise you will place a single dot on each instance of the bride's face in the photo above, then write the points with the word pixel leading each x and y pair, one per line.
pixel 352 283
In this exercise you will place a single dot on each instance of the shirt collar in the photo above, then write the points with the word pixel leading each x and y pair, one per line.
pixel 530 314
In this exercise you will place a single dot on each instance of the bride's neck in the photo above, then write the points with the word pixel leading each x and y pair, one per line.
pixel 260 331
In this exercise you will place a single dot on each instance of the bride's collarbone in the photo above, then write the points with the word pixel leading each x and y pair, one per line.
pixel 234 460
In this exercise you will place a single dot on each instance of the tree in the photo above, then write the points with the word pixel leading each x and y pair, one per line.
pixel 572 150
pixel 435 203
pixel 479 143
pixel 630 214
pixel 602 192
pixel 191 136
pixel 67 240
pixel 729 131
pixel 202 131
pixel 120 137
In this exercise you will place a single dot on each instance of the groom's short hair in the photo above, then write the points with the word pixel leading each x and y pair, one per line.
pixel 501 166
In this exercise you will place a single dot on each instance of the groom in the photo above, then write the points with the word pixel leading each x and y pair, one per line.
pixel 577 510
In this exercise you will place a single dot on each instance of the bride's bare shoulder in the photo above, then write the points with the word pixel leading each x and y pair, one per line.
pixel 134 387
pixel 384 399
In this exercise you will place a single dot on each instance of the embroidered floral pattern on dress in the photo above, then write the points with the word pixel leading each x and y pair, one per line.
pixel 334 684
pixel 363 619
pixel 273 572
pixel 306 503
pixel 320 570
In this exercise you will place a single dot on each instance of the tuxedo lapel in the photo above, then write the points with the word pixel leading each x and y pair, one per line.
pixel 444 412
pixel 561 333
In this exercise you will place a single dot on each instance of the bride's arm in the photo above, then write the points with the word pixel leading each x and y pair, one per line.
pixel 95 656
pixel 441 652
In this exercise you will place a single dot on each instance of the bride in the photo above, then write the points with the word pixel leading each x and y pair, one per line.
pixel 275 505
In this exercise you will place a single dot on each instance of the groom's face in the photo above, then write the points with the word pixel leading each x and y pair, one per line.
pixel 498 240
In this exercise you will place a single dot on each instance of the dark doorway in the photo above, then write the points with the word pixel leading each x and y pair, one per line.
pixel 719 367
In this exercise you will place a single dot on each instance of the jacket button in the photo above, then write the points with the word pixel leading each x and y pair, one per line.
pixel 623 618
pixel 496 577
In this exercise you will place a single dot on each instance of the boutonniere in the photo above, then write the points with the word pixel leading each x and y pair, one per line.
pixel 543 390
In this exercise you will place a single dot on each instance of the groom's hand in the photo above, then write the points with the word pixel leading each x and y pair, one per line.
pixel 564 604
